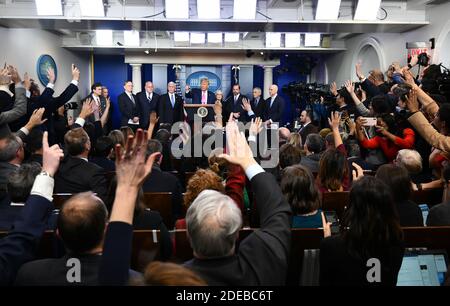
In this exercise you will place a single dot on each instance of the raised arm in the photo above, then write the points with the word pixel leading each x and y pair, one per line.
pixel 334 122
pixel 20 104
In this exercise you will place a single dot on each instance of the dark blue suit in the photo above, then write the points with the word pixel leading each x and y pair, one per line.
pixel 275 112
pixel 19 246
pixel 146 106
pixel 196 95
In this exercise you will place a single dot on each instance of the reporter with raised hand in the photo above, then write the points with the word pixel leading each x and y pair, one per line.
pixel 132 168
pixel 20 244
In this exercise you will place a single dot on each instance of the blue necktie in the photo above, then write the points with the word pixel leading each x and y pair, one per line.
pixel 172 100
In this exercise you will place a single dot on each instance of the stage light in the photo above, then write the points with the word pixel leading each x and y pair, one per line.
pixel 49 7
pixel 197 38
pixel 131 38
pixel 215 38
pixel 208 9
pixel 367 9
pixel 292 40
pixel 244 9
pixel 273 40
pixel 312 39
pixel 328 9
pixel 104 37
pixel 92 8
pixel 181 36
pixel 177 9
pixel 232 37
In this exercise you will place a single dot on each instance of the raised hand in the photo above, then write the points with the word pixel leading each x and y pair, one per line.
pixel 5 77
pixel 87 109
pixel 333 89
pixel 357 173
pixel 51 75
pixel 239 152
pixel 335 120
pixel 414 60
pixel 50 156
pixel 26 81
pixel 132 165
pixel 358 68
pixel 75 73
pixel 409 78
pixel 36 119
pixel 15 77
pixel 349 86
pixel 412 103
pixel 218 108
pixel 256 126
pixel 246 105
pixel 153 118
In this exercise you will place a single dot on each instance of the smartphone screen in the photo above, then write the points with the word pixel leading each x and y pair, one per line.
pixel 331 217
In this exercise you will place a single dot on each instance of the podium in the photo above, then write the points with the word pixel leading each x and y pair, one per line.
pixel 204 111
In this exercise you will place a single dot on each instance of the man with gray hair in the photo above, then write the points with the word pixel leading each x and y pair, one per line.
pixel 412 161
pixel 200 95
pixel 11 157
pixel 314 145
pixel 213 223
pixel 170 106
pixel 148 103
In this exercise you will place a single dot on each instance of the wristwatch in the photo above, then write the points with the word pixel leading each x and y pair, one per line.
pixel 45 173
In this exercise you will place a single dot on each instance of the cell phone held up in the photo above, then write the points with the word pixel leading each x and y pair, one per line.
pixel 369 121
pixel 331 217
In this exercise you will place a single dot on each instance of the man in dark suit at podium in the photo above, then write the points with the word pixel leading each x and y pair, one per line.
pixel 201 95
pixel 128 107
pixel 170 106
pixel 234 105
pixel 275 106
pixel 148 102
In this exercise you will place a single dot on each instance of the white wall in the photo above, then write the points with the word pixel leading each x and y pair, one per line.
pixel 22 48
pixel 392 47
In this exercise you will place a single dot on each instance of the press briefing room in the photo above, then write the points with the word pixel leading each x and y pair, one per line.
pixel 254 146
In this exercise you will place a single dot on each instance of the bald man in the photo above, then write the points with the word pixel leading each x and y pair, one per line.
pixel 275 106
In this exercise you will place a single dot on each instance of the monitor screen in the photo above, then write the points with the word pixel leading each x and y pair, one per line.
pixel 424 208
pixel 423 268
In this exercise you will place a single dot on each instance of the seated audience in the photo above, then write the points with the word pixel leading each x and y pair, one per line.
pixel 296 140
pixel 399 182
pixel 102 153
pixel 370 230
pixel 439 215
pixel 11 157
pixel 314 145
pixel 300 191
pixel 289 156
pixel 34 146
pixel 76 174
pixel 170 274
pixel 412 161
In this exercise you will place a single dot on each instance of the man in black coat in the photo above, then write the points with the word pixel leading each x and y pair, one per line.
pixel 201 95
pixel 258 104
pixel 148 103
pixel 233 104
pixel 306 125
pixel 275 106
pixel 128 106
pixel 76 174
pixel 170 106
pixel 99 100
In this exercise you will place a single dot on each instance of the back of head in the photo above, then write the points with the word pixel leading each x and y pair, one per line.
pixel 289 155
pixel 126 131
pixel 380 104
pixel 21 181
pixel 410 159
pixel 333 168
pixel 213 223
pixel 34 140
pixel 430 79
pixel 169 274
pixel 314 143
pixel 329 140
pixel 324 132
pixel 284 134
pixel 154 146
pixel 444 114
pixel 9 145
pixel 82 222
pixel 371 220
pixel 117 137
pixel 163 135
pixel 299 189
pixel 377 75
pixel 216 163
pixel 398 180
pixel 296 140
pixel 103 147
pixel 353 149
pixel 202 180
pixel 75 141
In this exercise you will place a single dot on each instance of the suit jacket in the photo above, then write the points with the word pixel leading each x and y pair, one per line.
pixel 260 110
pixel 20 245
pixel 167 113
pixel 91 118
pixel 196 95
pixel 128 108
pixel 311 162
pixel 309 129
pixel 160 181
pixel 146 106
pixel 5 171
pixel 262 258
pixel 18 110
pixel 104 163
pixel 76 175
pixel 230 106
pixel 275 113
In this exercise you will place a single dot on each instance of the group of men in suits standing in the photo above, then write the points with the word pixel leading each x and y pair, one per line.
pixel 136 109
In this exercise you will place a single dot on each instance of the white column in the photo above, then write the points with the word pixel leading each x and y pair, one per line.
pixel 268 80
pixel 136 78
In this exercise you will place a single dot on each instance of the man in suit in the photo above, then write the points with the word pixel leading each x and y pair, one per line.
pixel 81 226
pixel 170 106
pixel 161 181
pixel 103 148
pixel 306 125
pixel 314 146
pixel 100 103
pixel 234 105
pixel 148 103
pixel 201 95
pixel 128 107
pixel 76 174
pixel 275 106
pixel 11 157
pixel 258 104
pixel 20 245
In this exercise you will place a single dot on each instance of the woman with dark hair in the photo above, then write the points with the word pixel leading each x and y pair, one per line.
pixel 371 234
pixel 389 139
pixel 399 182
pixel 299 189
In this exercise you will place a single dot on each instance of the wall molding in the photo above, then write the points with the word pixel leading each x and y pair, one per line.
pixel 377 46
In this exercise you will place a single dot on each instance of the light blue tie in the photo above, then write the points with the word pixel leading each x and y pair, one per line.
pixel 172 100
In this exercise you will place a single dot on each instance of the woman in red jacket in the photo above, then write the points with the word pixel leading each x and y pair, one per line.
pixel 388 138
